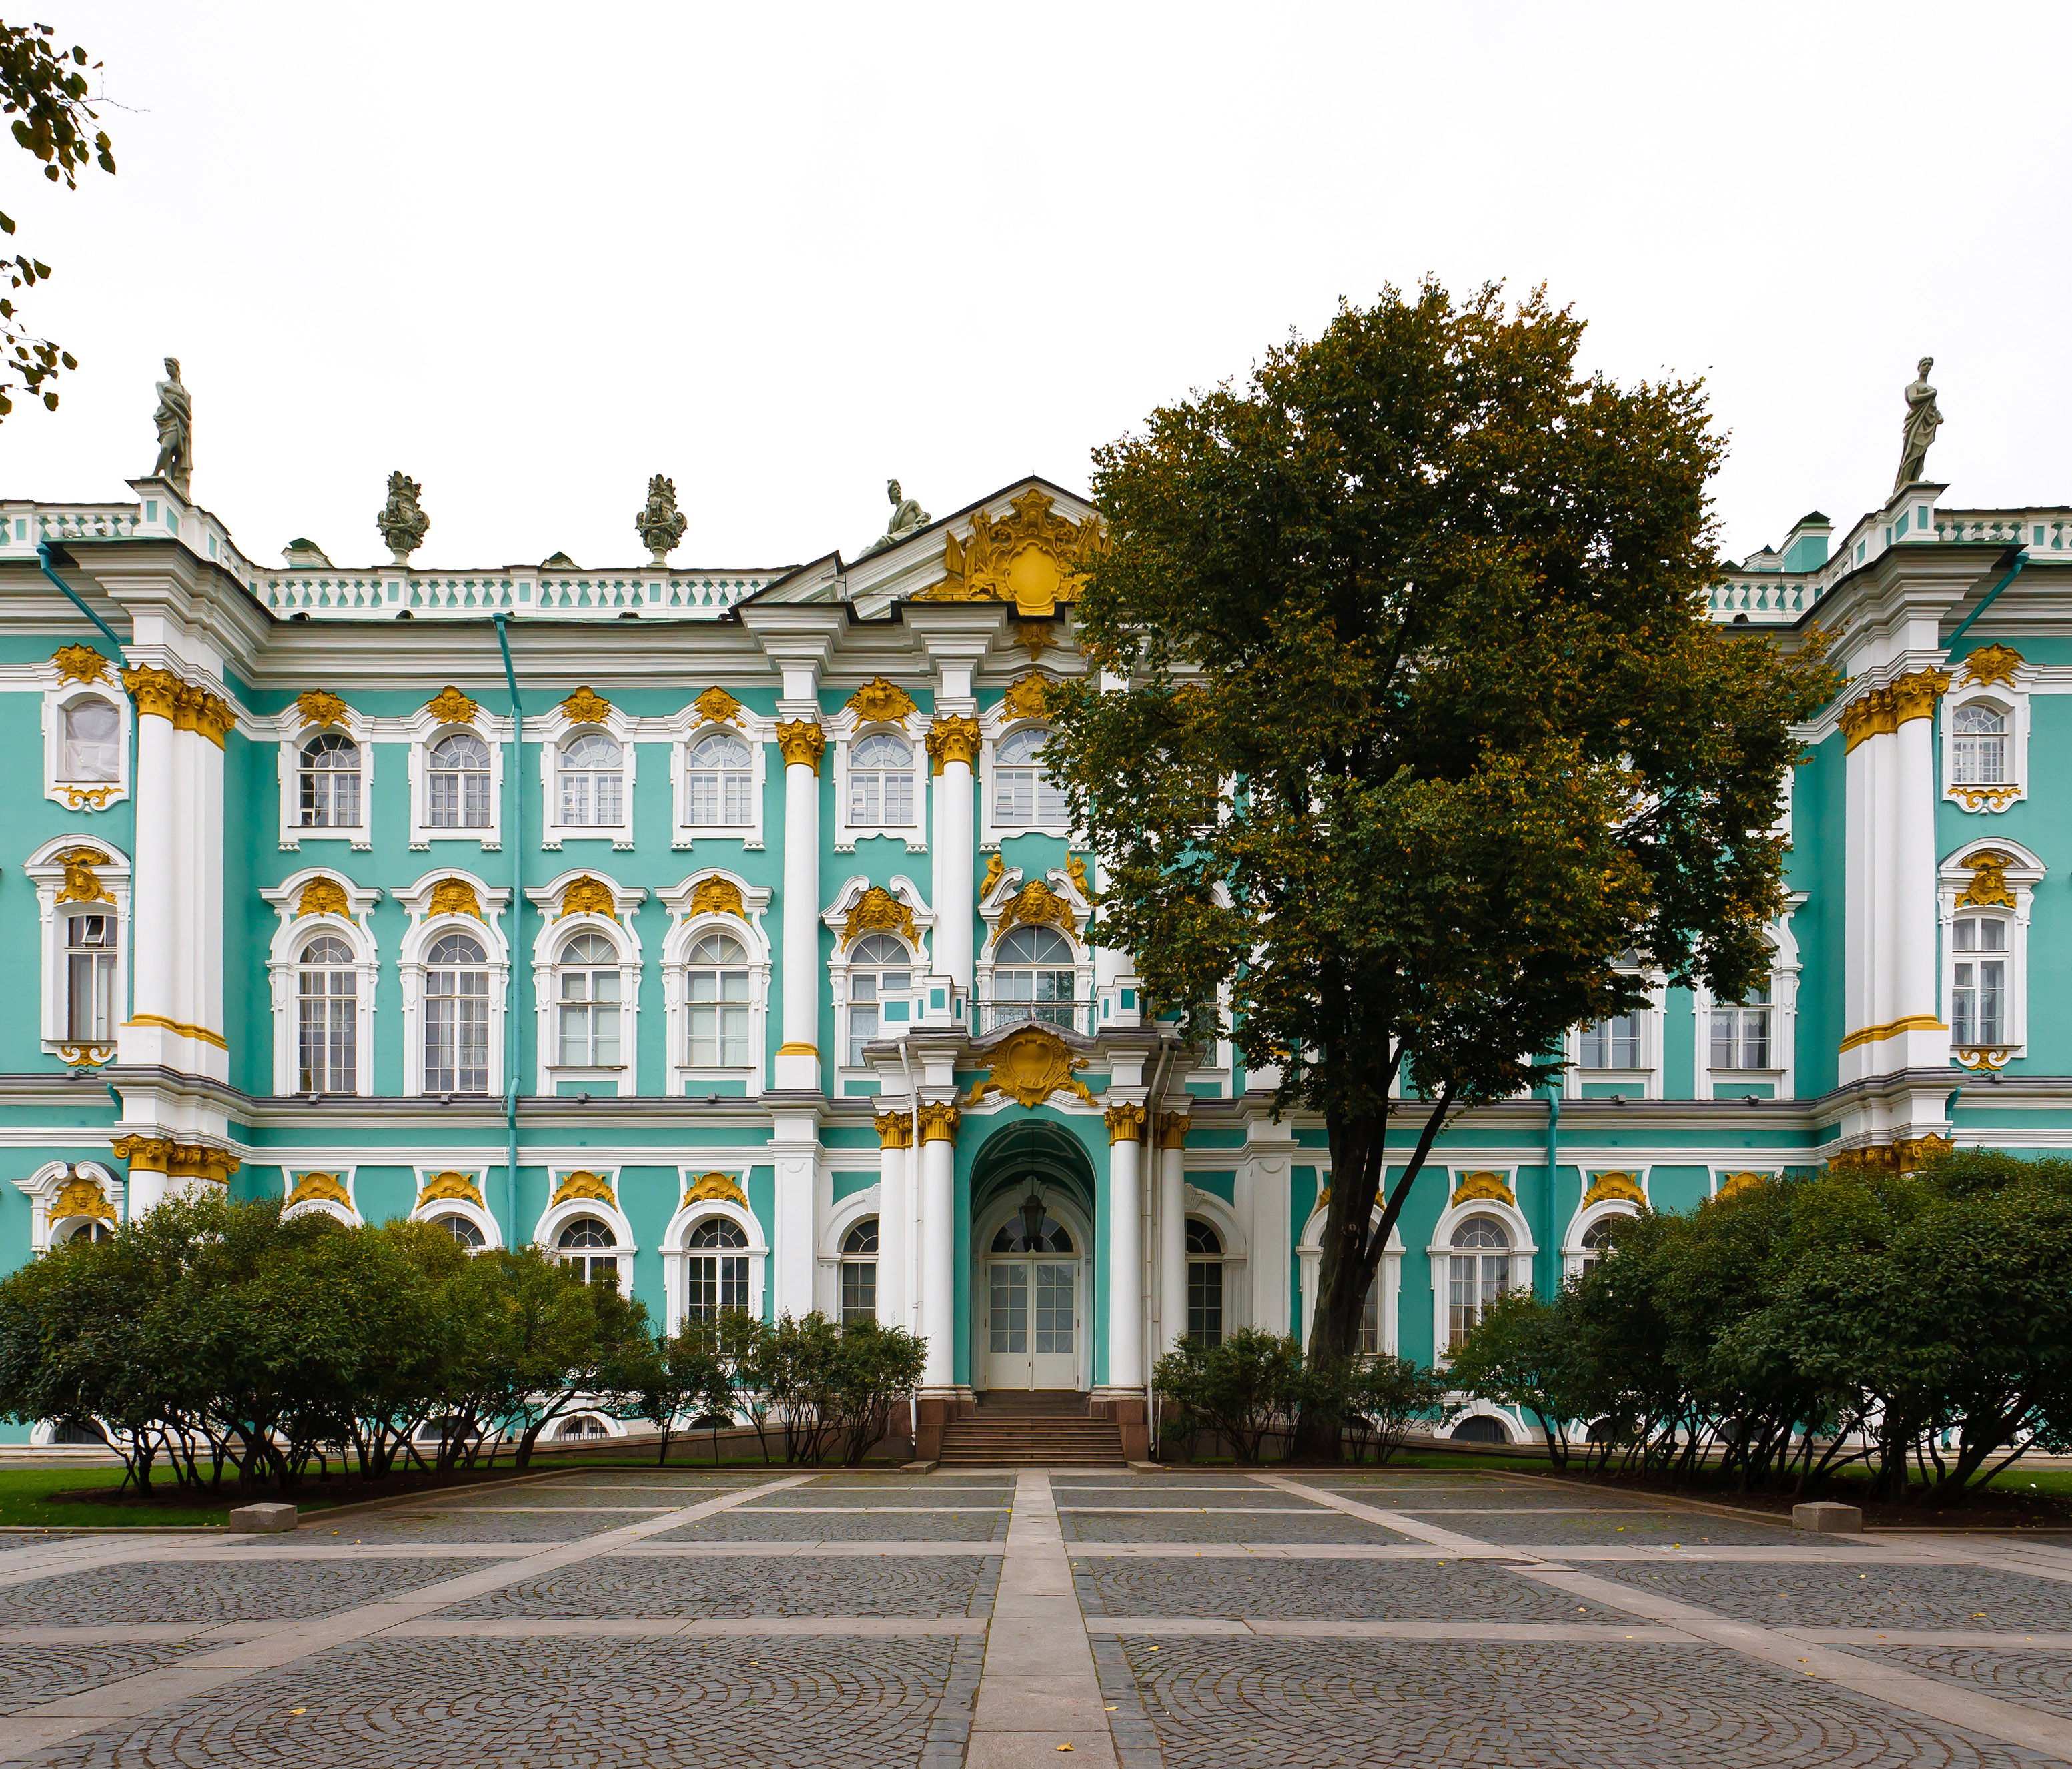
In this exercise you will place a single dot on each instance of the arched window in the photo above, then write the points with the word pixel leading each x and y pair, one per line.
pixel 718 779
pixel 588 972
pixel 1371 1334
pixel 1023 793
pixel 859 1273
pixel 1479 1272
pixel 578 1250
pixel 880 967
pixel 591 781
pixel 90 949
pixel 1978 990
pixel 464 1231
pixel 881 783
pixel 327 1018
pixel 457 783
pixel 92 747
pixel 716 1003
pixel 1741 1031
pixel 1033 977
pixel 1052 1237
pixel 1205 1284
pixel 716 1273
pixel 1596 1243
pixel 457 1016
pixel 92 1229
pixel 1978 747
pixel 330 782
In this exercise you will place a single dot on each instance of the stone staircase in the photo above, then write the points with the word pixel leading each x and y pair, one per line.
pixel 1035 1429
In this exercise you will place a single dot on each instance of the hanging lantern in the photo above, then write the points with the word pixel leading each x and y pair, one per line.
pixel 1032 1220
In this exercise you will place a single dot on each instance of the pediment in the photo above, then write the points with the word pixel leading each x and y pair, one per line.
pixel 1024 546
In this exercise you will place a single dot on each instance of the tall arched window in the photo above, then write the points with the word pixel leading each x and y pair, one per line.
pixel 1205 1284
pixel 457 1016
pixel 91 950
pixel 591 778
pixel 720 782
pixel 716 1273
pixel 92 747
pixel 879 967
pixel 881 783
pixel 589 1005
pixel 327 1018
pixel 859 1273
pixel 579 1248
pixel 329 773
pixel 1978 991
pixel 1978 747
pixel 457 783
pixel 1033 977
pixel 1596 1243
pixel 1478 1272
pixel 716 1003
pixel 1023 793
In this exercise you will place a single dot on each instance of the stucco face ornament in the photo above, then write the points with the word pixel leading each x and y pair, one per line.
pixel 1031 1065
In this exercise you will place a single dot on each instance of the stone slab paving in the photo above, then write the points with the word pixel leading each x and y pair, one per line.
pixel 1164 1620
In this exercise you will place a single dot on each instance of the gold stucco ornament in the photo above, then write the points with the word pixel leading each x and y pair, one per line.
pixel 1029 558
pixel 81 884
pixel 454 897
pixel 79 1196
pixel 1988 888
pixel 1625 1186
pixel 79 663
pixel 879 701
pixel 1029 1066
pixel 583 1184
pixel 450 706
pixel 457 1187
pixel 1037 905
pixel 953 737
pixel 588 896
pixel 1484 1186
pixel 715 1188
pixel 321 706
pixel 322 897
pixel 718 896
pixel 1993 663
pixel 716 707
pixel 1125 1122
pixel 1028 698
pixel 324 1186
pixel 879 908
pixel 586 706
pixel 800 741
pixel 895 1129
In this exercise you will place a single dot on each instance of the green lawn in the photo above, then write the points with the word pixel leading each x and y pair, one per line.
pixel 25 1499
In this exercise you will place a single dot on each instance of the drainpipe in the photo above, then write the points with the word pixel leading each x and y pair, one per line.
pixel 1553 1166
pixel 513 1013
pixel 1985 602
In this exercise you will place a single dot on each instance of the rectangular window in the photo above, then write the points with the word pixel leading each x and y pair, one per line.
pixel 717 1016
pixel 859 1290
pixel 1473 1281
pixel 1205 1302
pixel 1742 1033
pixel 1978 992
pixel 1370 1332
pixel 1613 1044
pixel 329 1034
pixel 457 1037
pixel 90 952
pixel 862 1016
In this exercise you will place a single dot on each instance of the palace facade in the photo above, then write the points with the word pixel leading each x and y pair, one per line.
pixel 725 930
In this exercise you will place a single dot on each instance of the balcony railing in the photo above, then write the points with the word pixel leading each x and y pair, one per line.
pixel 1065 1016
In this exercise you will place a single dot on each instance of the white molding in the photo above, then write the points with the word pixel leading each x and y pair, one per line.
pixel 346 1174
pixel 844 730
pixel 834 918
pixel 423 929
pixel 2011 702
pixel 421 732
pixel 1060 1203
pixel 282 962
pixel 43 869
pixel 992 905
pixel 294 731
pixel 758 734
pixel 2024 872
pixel 42 1188
pixel 1523 1249
pixel 554 931
pixel 483 1218
pixel 685 930
pixel 840 1217
pixel 1584 1219
pixel 552 730
pixel 1782 1075
pixel 994 725
pixel 87 796
pixel 688 1217
pixel 547 1231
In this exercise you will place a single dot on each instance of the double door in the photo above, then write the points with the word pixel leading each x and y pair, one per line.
pixel 1033 1323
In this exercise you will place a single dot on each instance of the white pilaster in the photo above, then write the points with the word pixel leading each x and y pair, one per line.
pixel 895 1218
pixel 1125 1248
pixel 1172 1234
pixel 154 943
pixel 795 1147
pixel 798 1057
pixel 935 1129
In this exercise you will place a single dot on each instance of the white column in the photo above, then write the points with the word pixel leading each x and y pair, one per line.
pixel 935 1129
pixel 952 744
pixel 1125 1248
pixel 798 1057
pixel 1172 1232
pixel 895 1218
pixel 794 1148
pixel 154 945
pixel 1861 881
pixel 1920 1039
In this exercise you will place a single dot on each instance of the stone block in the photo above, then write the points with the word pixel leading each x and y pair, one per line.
pixel 264 1520
pixel 1826 1517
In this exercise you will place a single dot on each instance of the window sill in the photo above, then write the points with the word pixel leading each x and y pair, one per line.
pixel 292 838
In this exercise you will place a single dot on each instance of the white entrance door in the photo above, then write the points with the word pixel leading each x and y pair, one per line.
pixel 1033 1323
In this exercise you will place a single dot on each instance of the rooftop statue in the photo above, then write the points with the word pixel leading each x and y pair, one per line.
pixel 401 520
pixel 908 517
pixel 660 523
pixel 1924 418
pixel 174 418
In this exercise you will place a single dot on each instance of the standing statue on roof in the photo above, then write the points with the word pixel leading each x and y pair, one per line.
pixel 1924 418
pixel 660 524
pixel 402 520
pixel 908 517
pixel 174 418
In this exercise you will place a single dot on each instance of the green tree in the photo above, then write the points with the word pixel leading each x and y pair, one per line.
pixel 1522 1352
pixel 1241 1388
pixel 1420 725
pixel 1384 1397
pixel 873 1365
pixel 43 88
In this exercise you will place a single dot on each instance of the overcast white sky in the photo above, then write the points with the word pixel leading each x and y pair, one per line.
pixel 532 255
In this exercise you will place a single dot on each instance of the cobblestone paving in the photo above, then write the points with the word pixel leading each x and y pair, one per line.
pixel 1255 1704
pixel 1165 1499
pixel 977 1526
pixel 1364 1590
pixel 1316 1526
pixel 702 1704
pixel 31 1674
pixel 2042 1681
pixel 473 1526
pixel 1612 1529
pixel 936 1586
pixel 1799 1595
pixel 214 1590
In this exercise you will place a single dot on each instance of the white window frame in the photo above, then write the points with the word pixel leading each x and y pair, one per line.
pixel 43 1188
pixel 1309 1252
pixel 2023 873
pixel 85 795
pixel 845 731
pixel 689 727
pixel 424 732
pixel 1236 1260
pixel 1587 1217
pixel 827 1257
pixel 547 1232
pixel 283 961
pixel 1646 1076
pixel 344 1172
pixel 2013 704
pixel 295 731
pixel 45 869
pixel 424 929
pixel 991 832
pixel 556 929
pixel 557 729
pixel 1709 1082
pixel 675 1284
pixel 835 918
pixel 1523 1249
pixel 430 1210
pixel 992 908
pixel 685 930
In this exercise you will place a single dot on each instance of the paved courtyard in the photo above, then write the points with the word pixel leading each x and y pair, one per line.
pixel 642 1616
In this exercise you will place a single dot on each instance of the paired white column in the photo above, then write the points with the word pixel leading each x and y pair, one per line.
pixel 935 1131
pixel 1914 992
pixel 1172 1129
pixel 895 1219
pixel 952 746
pixel 1125 1243
pixel 798 1057
pixel 155 943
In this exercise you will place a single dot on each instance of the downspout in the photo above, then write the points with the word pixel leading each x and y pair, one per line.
pixel 1985 602
pixel 513 1017
pixel 1553 1165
